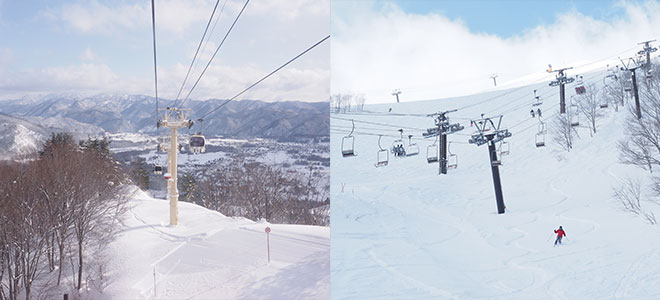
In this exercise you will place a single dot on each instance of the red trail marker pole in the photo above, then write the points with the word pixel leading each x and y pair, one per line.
pixel 268 242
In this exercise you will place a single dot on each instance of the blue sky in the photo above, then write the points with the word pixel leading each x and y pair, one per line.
pixel 436 49
pixel 507 18
pixel 100 46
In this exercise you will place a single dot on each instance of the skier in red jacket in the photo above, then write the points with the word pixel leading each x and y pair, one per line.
pixel 560 233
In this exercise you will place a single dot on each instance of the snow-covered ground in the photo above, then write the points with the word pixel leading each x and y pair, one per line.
pixel 405 232
pixel 210 256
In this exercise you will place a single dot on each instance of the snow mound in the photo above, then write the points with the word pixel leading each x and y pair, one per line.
pixel 211 256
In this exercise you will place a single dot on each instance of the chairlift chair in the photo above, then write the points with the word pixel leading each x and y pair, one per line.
pixel 432 152
pixel 382 156
pixel 575 116
pixel 627 86
pixel 158 169
pixel 540 135
pixel 504 148
pixel 603 104
pixel 452 158
pixel 537 100
pixel 348 143
pixel 413 148
pixel 540 139
pixel 398 147
pixel 580 89
pixel 197 143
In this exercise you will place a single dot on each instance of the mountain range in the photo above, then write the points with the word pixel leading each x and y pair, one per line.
pixel 115 113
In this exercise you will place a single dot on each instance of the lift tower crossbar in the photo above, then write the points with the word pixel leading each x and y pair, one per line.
pixel 647 51
pixel 173 118
pixel 490 133
pixel 560 81
pixel 442 129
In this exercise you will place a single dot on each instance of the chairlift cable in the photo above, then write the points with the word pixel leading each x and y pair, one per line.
pixel 215 53
pixel 380 124
pixel 153 26
pixel 264 78
pixel 196 52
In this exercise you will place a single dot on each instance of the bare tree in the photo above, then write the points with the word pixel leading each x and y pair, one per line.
pixel 336 102
pixel 589 105
pixel 641 147
pixel 630 197
pixel 346 100
pixel 562 132
pixel 359 102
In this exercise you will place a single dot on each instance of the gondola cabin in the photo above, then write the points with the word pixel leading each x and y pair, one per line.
pixel 197 144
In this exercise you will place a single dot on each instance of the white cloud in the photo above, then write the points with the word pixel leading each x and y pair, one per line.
pixel 84 78
pixel 219 82
pixel 226 81
pixel 431 56
pixel 267 35
pixel 88 55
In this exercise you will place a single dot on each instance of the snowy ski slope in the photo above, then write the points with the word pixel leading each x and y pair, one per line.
pixel 210 256
pixel 404 232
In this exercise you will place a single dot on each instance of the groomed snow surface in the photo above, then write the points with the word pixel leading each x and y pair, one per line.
pixel 211 256
pixel 405 232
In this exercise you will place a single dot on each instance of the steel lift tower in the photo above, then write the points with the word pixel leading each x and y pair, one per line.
pixel 173 118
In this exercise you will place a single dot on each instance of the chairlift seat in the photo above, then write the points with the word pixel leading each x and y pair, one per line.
pixel 432 154
pixel 158 169
pixel 382 158
pixel 347 151
pixel 412 150
pixel 452 161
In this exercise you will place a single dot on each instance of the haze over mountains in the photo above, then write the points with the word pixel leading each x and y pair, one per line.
pixel 115 113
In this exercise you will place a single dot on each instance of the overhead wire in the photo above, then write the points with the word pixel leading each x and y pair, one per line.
pixel 265 77
pixel 153 26
pixel 215 53
pixel 201 41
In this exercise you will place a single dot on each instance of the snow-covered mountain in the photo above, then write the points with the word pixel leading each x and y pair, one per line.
pixel 117 113
pixel 19 135
pixel 404 232
pixel 210 256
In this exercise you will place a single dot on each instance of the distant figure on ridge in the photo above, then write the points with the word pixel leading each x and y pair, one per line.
pixel 531 112
pixel 560 233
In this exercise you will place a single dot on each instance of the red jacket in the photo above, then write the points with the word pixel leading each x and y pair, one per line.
pixel 560 232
